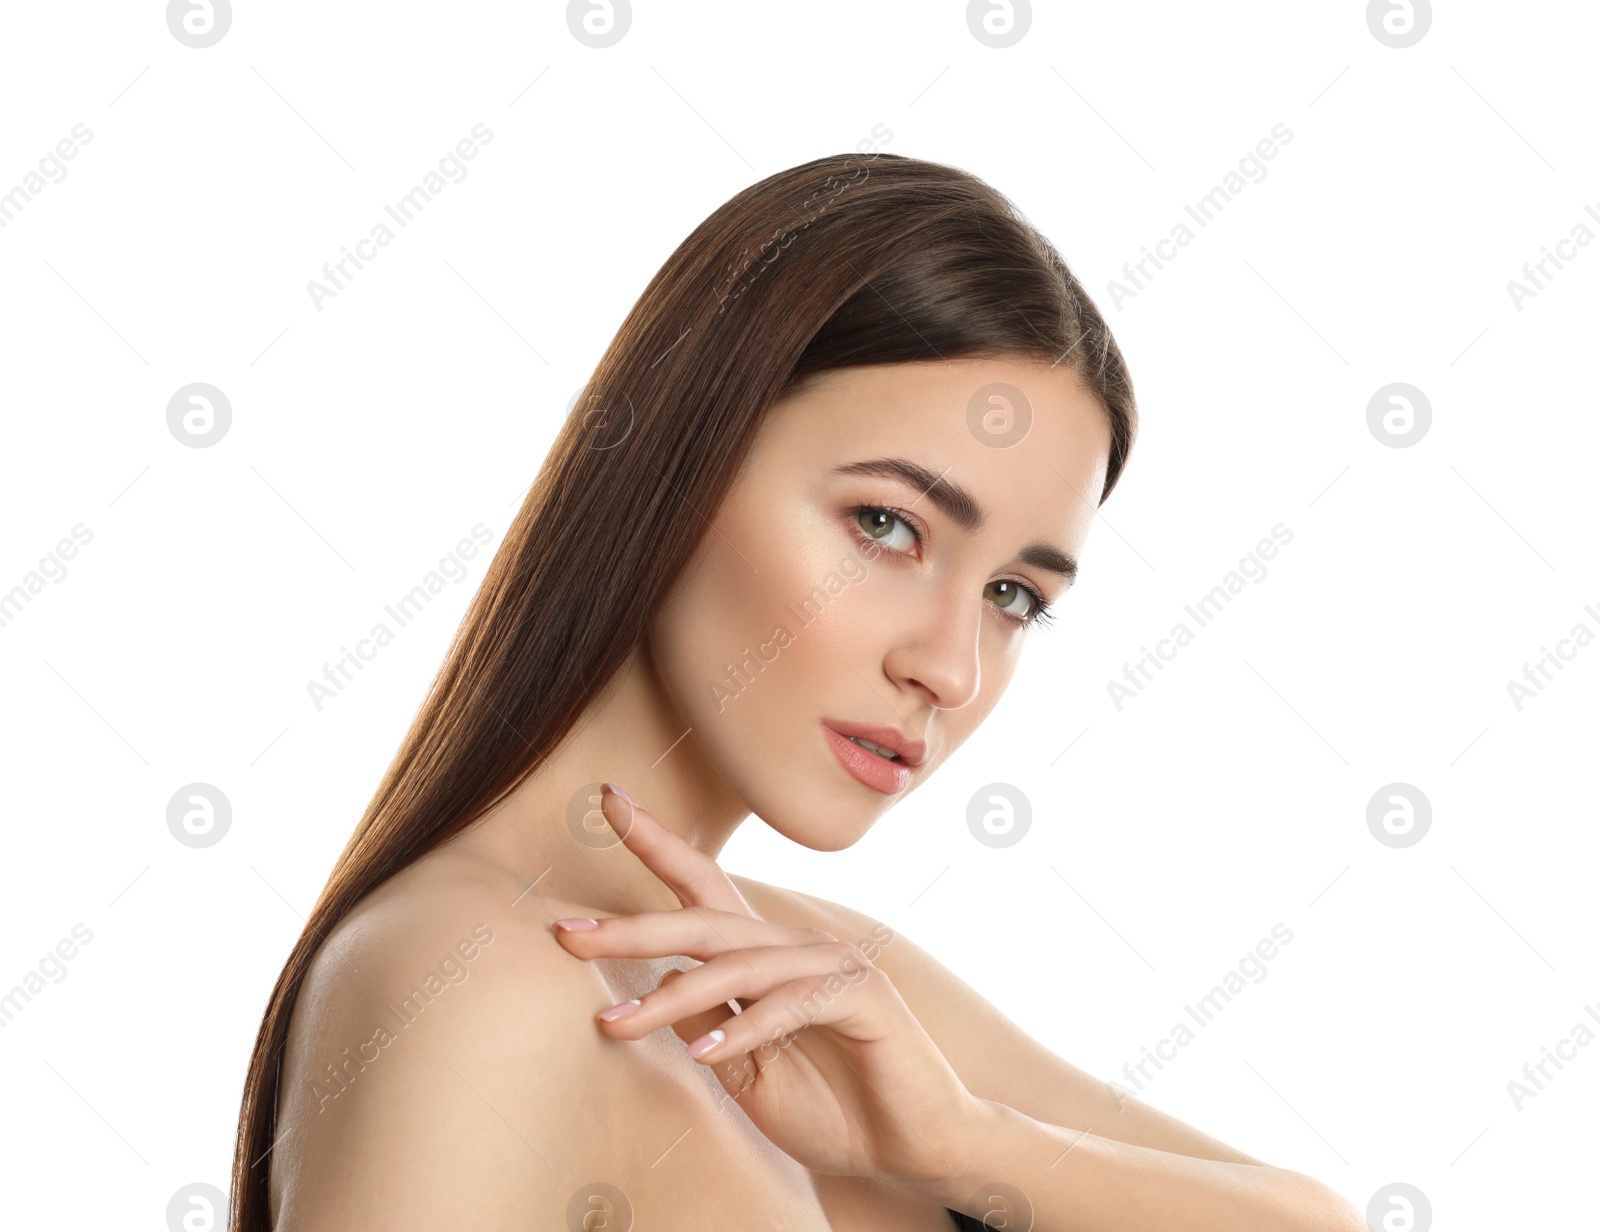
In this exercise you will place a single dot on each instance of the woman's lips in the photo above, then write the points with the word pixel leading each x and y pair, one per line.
pixel 878 773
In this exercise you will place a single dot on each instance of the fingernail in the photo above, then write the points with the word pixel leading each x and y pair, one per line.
pixel 619 1011
pixel 706 1043
pixel 577 923
pixel 619 792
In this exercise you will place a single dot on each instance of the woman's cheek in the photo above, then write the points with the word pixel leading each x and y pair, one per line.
pixel 873 590
pixel 727 630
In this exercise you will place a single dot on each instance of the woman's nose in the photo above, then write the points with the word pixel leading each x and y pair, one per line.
pixel 939 652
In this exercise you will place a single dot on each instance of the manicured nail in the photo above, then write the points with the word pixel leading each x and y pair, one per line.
pixel 577 923
pixel 619 1011
pixel 706 1043
pixel 620 792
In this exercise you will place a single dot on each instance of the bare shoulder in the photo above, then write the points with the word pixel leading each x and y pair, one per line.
pixel 924 982
pixel 941 1000
pixel 791 907
pixel 994 1057
pixel 430 1054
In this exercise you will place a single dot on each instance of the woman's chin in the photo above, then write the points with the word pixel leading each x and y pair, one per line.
pixel 816 837
pixel 823 827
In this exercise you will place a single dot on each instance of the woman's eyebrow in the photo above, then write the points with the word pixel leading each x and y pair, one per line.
pixel 960 506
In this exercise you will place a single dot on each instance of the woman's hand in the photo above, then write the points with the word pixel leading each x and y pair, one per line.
pixel 824 1056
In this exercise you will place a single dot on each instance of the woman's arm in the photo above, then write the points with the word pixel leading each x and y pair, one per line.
pixel 995 1059
pixel 1062 1179
pixel 830 1060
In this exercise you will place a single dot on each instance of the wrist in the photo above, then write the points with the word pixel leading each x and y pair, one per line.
pixel 973 1155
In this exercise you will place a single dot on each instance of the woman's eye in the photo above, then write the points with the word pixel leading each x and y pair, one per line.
pixel 880 525
pixel 1017 601
pixel 1011 598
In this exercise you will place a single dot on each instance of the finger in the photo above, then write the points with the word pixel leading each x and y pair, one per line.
pixel 747 974
pixel 857 1010
pixel 689 873
pixel 692 1026
pixel 696 932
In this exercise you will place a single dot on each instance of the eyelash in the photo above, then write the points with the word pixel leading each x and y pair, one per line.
pixel 1040 615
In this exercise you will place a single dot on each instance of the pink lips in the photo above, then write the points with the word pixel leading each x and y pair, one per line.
pixel 912 750
pixel 865 766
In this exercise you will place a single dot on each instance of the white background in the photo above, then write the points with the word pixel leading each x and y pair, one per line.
pixel 1168 836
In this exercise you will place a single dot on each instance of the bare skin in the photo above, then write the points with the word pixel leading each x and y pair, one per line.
pixel 496 1098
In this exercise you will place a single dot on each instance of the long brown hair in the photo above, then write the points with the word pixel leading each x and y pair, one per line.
pixel 842 261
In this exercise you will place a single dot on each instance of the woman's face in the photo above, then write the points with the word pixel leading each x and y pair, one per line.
pixel 875 566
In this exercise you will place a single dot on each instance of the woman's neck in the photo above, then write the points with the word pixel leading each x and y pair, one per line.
pixel 549 832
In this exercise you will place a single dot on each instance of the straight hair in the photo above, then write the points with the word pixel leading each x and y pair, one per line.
pixel 839 262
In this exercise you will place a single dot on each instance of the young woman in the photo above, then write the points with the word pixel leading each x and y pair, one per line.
pixel 781 560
